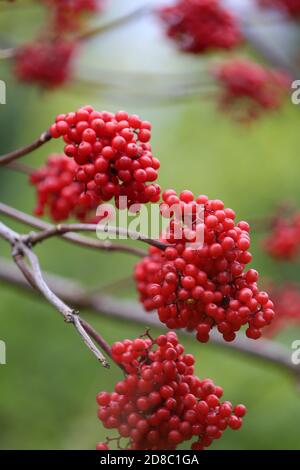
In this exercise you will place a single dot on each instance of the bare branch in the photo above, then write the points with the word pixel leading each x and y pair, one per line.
pixel 70 237
pixel 128 310
pixel 116 23
pixel 9 157
pixel 34 276
pixel 62 229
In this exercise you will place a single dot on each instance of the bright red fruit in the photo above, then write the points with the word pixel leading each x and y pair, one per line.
pixel 161 403
pixel 113 154
pixel 206 287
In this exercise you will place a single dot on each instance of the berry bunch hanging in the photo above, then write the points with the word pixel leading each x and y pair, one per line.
pixel 45 63
pixel 161 403
pixel 198 26
pixel 208 287
pixel 283 242
pixel 67 14
pixel 287 305
pixel 113 153
pixel 290 7
pixel 57 192
pixel 248 89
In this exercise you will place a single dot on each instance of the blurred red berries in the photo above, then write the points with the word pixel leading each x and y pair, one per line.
pixel 199 26
pixel 283 242
pixel 161 403
pixel 46 64
pixel 248 89
pixel 68 13
pixel 291 7
pixel 208 287
pixel 113 154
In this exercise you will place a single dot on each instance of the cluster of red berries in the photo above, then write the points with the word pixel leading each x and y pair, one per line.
pixel 200 25
pixel 205 287
pixel 291 7
pixel 287 306
pixel 248 89
pixel 113 153
pixel 57 191
pixel 284 240
pixel 47 64
pixel 68 13
pixel 161 403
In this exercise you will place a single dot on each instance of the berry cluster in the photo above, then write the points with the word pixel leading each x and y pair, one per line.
pixel 284 240
pixel 68 13
pixel 161 403
pixel 291 7
pixel 48 64
pixel 206 287
pixel 113 154
pixel 57 192
pixel 248 89
pixel 287 305
pixel 200 25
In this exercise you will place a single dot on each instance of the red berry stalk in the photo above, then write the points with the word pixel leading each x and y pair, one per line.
pixel 205 288
pixel 161 403
pixel 198 26
pixel 113 153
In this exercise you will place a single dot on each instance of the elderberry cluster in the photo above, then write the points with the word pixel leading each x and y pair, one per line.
pixel 287 304
pixel 46 63
pixel 161 403
pixel 113 155
pixel 284 240
pixel 68 13
pixel 198 26
pixel 57 192
pixel 207 287
pixel 290 7
pixel 248 89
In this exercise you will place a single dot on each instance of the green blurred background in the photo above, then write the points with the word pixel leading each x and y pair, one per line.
pixel 48 387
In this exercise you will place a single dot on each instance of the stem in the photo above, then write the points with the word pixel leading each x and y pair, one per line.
pixel 34 277
pixel 66 228
pixel 70 237
pixel 9 157
pixel 115 23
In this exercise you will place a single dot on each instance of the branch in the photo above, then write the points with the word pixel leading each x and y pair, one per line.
pixel 62 229
pixel 70 237
pixel 115 23
pixel 9 157
pixel 34 276
pixel 264 350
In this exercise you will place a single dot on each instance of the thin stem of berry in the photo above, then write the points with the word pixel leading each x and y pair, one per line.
pixel 9 157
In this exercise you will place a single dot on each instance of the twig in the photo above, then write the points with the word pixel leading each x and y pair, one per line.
pixel 9 157
pixel 70 237
pixel 264 350
pixel 66 228
pixel 115 23
pixel 20 167
pixel 34 276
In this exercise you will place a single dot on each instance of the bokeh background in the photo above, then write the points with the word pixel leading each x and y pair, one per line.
pixel 48 387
